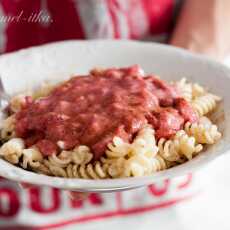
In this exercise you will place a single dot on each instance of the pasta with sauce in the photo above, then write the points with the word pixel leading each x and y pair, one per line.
pixel 147 147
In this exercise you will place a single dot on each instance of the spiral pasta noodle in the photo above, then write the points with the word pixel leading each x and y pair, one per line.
pixel 42 169
pixel 138 165
pixel 168 150
pixel 140 153
pixel 75 163
pixel 185 89
pixel 181 145
pixel 197 91
pixel 58 161
pixel 186 145
pixel 12 150
pixel 116 168
pixel 118 148
pixel 94 170
pixel 81 155
pixel 190 91
pixel 54 169
pixel 72 171
pixel 159 164
pixel 18 101
pixel 8 128
pixel 145 143
pixel 204 134
pixel 205 104
pixel 141 165
pixel 31 157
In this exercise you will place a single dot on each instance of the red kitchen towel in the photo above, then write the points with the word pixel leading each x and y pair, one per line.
pixel 49 208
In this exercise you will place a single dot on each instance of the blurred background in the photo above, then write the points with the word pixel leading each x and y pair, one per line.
pixel 191 202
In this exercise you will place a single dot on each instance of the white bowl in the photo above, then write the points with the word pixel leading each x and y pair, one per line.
pixel 28 68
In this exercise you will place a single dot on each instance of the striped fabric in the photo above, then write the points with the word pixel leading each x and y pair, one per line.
pixel 80 19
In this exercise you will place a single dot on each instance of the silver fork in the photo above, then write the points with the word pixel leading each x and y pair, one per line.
pixel 4 97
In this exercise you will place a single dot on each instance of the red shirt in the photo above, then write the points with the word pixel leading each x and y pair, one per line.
pixel 27 23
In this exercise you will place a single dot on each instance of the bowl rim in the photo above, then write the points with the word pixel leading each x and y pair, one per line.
pixel 15 173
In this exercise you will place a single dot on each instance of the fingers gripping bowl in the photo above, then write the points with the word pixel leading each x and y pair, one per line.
pixel 146 149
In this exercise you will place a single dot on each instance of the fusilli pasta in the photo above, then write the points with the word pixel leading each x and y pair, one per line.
pixel 197 91
pixel 81 155
pixel 168 150
pixel 186 145
pixel 190 91
pixel 12 150
pixel 59 161
pixel 42 169
pixel 55 170
pixel 145 143
pixel 18 101
pixel 94 170
pixel 138 165
pixel 8 126
pixel 181 145
pixel 31 157
pixel 205 104
pixel 139 154
pixel 159 164
pixel 118 148
pixel 203 133
pixel 185 89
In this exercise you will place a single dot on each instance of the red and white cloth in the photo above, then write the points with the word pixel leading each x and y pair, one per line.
pixel 189 202
pixel 26 23
pixel 49 208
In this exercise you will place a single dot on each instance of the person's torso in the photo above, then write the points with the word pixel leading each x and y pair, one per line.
pixel 25 23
